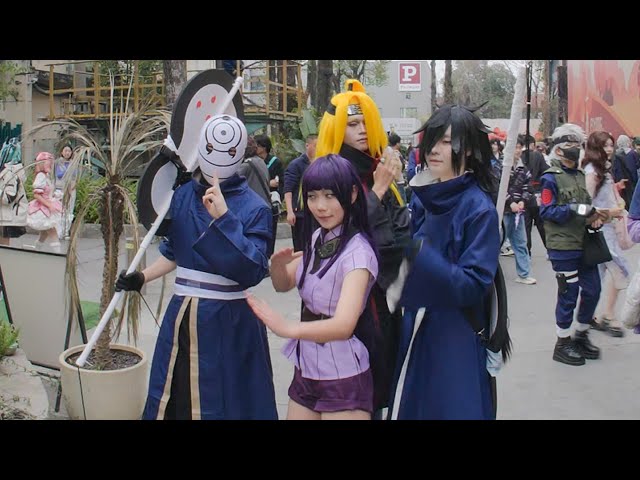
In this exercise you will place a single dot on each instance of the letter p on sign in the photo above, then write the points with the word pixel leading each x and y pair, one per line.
pixel 409 77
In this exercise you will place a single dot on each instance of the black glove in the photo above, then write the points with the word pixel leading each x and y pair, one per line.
pixel 133 281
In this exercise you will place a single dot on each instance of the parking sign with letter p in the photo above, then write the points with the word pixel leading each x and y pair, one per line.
pixel 409 77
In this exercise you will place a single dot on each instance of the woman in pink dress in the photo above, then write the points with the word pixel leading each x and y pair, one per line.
pixel 45 210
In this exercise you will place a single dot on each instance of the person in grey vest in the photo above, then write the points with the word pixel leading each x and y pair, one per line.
pixel 566 210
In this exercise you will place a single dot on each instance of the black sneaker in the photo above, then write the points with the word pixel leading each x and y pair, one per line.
pixel 566 352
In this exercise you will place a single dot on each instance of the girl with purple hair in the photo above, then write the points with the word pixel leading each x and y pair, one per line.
pixel 330 347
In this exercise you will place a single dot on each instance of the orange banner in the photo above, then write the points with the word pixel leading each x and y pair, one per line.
pixel 605 95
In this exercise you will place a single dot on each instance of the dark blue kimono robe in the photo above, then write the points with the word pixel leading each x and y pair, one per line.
pixel 211 359
pixel 441 372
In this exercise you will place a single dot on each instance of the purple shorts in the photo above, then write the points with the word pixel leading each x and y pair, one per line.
pixel 353 393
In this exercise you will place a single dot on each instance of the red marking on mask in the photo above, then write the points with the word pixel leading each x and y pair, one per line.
pixel 199 104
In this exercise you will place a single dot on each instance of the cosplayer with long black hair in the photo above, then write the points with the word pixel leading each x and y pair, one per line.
pixel 211 359
pixel 330 347
pixel 444 368
pixel 352 127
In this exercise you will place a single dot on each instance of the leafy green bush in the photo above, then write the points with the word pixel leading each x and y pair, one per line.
pixel 28 184
pixel 86 186
pixel 8 336
pixel 288 143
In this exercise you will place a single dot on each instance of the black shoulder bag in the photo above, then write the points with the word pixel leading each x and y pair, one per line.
pixel 594 247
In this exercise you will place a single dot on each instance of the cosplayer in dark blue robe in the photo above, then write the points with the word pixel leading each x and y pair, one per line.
pixel 441 371
pixel 212 357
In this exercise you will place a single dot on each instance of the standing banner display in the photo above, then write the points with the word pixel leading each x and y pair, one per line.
pixel 34 286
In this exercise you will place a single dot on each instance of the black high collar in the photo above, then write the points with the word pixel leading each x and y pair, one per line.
pixel 363 163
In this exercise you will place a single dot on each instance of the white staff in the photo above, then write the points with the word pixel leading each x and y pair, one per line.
pixel 189 164
pixel 512 138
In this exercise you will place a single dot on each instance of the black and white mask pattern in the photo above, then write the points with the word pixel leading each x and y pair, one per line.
pixel 223 140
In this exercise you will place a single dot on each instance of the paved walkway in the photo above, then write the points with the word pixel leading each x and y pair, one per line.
pixel 531 386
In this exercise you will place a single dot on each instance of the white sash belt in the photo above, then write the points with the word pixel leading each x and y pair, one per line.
pixel 193 283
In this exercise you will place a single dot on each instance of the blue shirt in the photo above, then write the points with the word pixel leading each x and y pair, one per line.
pixel 293 179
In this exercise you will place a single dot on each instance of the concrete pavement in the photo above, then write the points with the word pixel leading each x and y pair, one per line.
pixel 531 385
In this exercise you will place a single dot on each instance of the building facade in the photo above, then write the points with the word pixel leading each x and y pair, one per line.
pixel 405 101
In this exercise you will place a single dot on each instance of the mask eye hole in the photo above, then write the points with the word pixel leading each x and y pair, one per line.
pixel 209 148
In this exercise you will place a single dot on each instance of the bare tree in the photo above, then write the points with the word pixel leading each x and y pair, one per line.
pixel 291 80
pixel 175 76
pixel 546 106
pixel 448 84
pixel 514 65
pixel 312 81
pixel 434 90
pixel 538 81
pixel 325 76
pixel 371 72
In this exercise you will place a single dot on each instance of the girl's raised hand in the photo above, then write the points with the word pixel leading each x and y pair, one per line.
pixel 272 319
pixel 283 257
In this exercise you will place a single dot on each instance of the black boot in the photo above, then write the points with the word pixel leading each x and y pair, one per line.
pixel 584 345
pixel 566 352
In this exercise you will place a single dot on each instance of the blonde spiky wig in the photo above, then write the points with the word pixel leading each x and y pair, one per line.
pixel 334 121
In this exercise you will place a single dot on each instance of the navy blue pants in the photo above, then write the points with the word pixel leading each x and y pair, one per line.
pixel 588 280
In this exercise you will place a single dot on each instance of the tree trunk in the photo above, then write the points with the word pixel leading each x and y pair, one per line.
pixel 291 81
pixel 312 83
pixel 546 110
pixel 434 85
pixel 563 96
pixel 280 78
pixel 175 76
pixel 325 75
pixel 111 225
pixel 448 84
pixel 466 94
pixel 272 75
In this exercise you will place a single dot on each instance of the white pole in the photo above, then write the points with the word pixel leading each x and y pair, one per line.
pixel 190 165
pixel 512 137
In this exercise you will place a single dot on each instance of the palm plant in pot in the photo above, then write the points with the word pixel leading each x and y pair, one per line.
pixel 132 133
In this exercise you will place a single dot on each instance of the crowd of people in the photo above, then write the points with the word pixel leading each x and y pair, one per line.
pixel 395 256
pixel 393 312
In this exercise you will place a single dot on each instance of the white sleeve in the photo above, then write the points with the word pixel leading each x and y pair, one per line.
pixel 39 182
